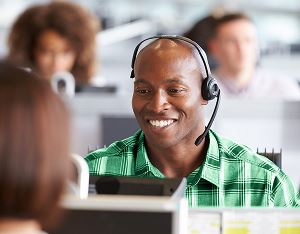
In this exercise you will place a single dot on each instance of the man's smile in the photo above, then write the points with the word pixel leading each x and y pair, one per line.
pixel 161 123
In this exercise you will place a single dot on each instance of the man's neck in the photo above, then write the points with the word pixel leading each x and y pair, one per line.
pixel 178 161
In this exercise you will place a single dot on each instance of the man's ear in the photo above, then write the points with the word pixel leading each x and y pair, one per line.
pixel 203 102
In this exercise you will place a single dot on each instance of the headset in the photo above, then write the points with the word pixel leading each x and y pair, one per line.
pixel 209 88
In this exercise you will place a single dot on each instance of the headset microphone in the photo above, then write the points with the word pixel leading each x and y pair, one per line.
pixel 209 88
pixel 202 136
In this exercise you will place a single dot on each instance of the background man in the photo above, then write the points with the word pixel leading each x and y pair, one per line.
pixel 235 48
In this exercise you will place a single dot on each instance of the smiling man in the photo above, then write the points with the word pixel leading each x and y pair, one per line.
pixel 168 103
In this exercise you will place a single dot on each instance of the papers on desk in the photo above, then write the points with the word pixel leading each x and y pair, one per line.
pixel 275 221
pixel 256 223
pixel 202 223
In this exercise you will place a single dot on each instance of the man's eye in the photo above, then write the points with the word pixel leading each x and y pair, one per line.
pixel 142 91
pixel 176 90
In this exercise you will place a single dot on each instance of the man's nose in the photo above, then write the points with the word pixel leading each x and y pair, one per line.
pixel 159 102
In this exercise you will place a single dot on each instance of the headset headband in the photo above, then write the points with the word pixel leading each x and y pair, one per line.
pixel 199 49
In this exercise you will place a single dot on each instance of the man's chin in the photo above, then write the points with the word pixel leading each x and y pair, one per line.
pixel 161 141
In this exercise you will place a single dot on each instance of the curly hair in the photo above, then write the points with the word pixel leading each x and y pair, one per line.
pixel 69 20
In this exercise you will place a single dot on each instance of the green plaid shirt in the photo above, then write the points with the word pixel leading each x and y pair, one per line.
pixel 231 175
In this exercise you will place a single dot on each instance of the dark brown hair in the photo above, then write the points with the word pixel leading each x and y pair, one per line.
pixel 71 21
pixel 229 17
pixel 34 146
pixel 202 31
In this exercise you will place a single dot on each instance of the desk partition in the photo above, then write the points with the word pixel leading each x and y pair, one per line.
pixel 115 214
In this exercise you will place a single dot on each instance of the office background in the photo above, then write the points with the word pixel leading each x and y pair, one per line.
pixel 126 22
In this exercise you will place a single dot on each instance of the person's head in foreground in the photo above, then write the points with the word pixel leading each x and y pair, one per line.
pixel 168 104
pixel 55 37
pixel 34 151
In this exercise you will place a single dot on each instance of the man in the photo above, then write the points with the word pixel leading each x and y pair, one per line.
pixel 168 104
pixel 235 48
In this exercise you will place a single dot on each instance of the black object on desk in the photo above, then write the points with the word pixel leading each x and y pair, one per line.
pixel 124 185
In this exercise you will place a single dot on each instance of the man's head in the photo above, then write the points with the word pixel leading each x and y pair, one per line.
pixel 234 44
pixel 167 99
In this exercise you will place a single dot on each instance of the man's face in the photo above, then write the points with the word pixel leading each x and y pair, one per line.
pixel 167 94
pixel 235 46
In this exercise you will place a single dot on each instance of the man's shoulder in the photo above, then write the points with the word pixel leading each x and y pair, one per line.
pixel 230 151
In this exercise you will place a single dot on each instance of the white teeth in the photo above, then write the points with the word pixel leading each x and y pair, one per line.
pixel 161 123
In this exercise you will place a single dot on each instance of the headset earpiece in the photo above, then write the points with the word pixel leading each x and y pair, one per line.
pixel 209 88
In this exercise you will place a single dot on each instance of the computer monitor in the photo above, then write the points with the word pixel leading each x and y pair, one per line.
pixel 117 127
pixel 123 215
pixel 125 185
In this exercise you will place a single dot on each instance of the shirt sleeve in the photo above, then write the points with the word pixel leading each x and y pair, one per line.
pixel 284 193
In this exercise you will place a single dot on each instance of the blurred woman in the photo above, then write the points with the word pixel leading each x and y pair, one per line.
pixel 34 151
pixel 54 37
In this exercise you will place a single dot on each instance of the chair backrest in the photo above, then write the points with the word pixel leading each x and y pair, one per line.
pixel 82 174
pixel 275 157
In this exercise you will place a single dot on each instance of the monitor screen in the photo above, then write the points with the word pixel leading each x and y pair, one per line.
pixel 117 127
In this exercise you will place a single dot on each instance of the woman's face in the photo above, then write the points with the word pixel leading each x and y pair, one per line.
pixel 53 53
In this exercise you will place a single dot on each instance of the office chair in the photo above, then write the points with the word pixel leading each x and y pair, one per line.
pixel 81 186
pixel 275 157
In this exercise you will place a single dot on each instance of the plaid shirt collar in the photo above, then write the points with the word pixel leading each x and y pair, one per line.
pixel 209 170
